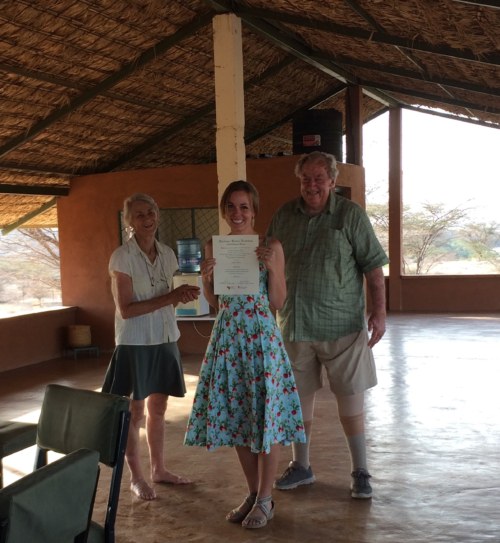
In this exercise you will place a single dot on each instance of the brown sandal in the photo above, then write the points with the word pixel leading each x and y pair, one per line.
pixel 239 514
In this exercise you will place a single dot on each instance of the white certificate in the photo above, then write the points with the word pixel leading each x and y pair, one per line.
pixel 236 265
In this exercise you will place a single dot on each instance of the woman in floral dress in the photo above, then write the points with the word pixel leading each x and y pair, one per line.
pixel 246 396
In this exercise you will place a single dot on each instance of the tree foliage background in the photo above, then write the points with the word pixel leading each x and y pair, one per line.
pixel 436 234
pixel 29 264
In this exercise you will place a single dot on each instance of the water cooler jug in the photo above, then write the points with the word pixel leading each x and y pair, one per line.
pixel 189 258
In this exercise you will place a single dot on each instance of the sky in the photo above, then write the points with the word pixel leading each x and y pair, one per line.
pixel 444 161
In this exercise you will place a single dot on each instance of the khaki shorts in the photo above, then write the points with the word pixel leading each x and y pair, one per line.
pixel 348 362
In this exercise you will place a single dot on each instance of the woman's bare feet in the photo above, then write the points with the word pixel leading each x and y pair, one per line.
pixel 142 490
pixel 167 477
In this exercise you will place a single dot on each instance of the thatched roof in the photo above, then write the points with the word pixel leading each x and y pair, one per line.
pixel 101 85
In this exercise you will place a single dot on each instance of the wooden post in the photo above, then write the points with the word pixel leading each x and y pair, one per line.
pixel 354 124
pixel 229 101
pixel 395 208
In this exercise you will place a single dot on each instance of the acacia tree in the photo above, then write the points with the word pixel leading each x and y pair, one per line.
pixel 43 243
pixel 379 217
pixel 483 240
pixel 30 261
pixel 425 235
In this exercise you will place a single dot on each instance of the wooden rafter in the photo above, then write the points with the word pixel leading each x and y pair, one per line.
pixel 29 216
pixel 109 82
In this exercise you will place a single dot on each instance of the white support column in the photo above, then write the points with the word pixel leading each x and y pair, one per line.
pixel 229 102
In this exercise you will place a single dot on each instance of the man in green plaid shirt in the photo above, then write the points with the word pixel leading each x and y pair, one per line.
pixel 330 248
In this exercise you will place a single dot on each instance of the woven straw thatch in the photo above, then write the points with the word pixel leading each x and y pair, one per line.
pixel 99 85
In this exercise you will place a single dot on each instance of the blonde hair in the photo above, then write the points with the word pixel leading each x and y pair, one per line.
pixel 127 206
pixel 137 197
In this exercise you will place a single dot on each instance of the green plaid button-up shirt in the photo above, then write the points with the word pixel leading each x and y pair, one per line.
pixel 326 256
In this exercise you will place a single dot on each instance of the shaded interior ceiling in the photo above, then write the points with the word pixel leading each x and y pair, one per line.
pixel 93 86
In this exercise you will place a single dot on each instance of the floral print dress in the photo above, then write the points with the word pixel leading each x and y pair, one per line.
pixel 246 394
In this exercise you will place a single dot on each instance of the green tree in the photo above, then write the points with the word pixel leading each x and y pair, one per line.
pixel 425 236
pixel 379 217
pixel 483 241
pixel 29 263
pixel 428 234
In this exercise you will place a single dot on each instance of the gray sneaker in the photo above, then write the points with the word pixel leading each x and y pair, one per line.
pixel 360 486
pixel 294 476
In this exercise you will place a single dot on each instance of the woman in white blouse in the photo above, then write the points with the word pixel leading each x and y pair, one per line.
pixel 146 362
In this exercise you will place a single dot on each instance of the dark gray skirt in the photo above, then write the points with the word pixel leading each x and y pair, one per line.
pixel 140 370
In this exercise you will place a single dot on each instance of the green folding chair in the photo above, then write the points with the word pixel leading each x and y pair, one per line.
pixel 73 418
pixel 14 437
pixel 52 504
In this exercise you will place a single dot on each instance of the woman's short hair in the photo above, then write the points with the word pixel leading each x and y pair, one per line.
pixel 236 186
pixel 328 160
pixel 137 197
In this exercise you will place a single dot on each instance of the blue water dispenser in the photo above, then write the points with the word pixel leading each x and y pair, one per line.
pixel 189 258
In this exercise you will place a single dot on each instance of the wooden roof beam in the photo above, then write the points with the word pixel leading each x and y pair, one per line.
pixel 379 28
pixel 35 170
pixel 358 33
pixel 146 57
pixel 250 138
pixel 304 53
pixel 410 74
pixel 408 54
pixel 39 190
pixel 437 99
pixel 285 40
pixel 37 75
pixel 450 116
pixel 187 121
pixel 29 216
pixel 494 4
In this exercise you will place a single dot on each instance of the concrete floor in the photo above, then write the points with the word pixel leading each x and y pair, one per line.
pixel 433 431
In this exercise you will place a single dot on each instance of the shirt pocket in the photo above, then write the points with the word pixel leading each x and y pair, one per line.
pixel 333 245
pixel 336 257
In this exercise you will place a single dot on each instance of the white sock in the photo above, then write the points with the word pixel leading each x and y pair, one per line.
pixel 357 448
pixel 301 450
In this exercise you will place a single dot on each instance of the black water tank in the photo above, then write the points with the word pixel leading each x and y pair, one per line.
pixel 318 130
